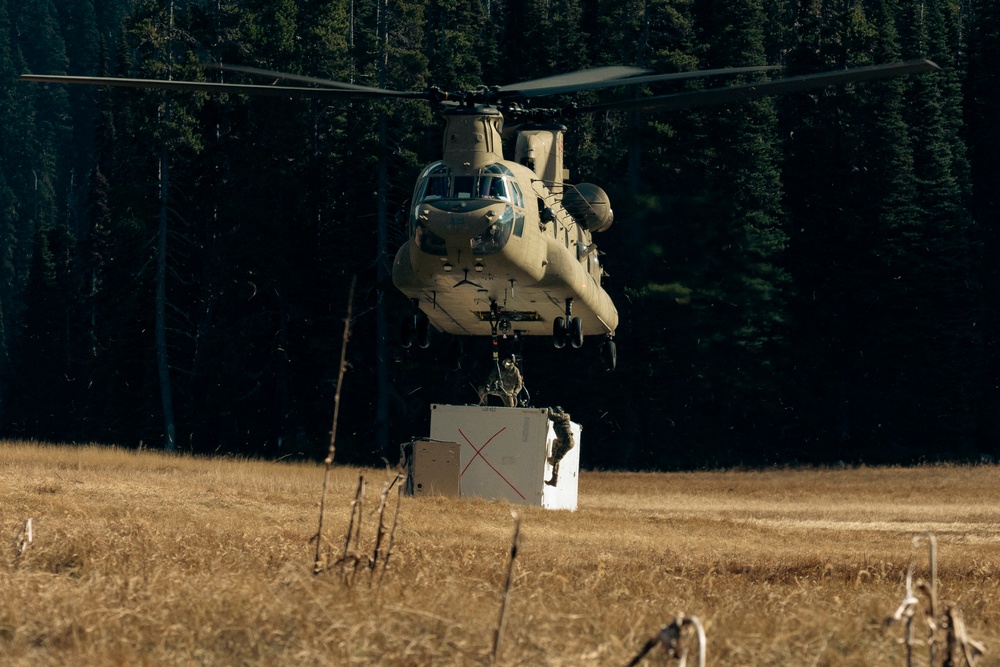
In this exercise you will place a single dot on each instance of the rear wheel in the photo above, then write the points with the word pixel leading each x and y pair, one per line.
pixel 559 332
pixel 407 330
pixel 576 332
pixel 423 331
pixel 609 355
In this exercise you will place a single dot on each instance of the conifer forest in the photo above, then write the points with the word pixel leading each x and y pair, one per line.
pixel 809 278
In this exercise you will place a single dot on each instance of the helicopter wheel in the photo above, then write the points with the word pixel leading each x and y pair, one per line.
pixel 559 332
pixel 576 332
pixel 407 331
pixel 609 354
pixel 423 331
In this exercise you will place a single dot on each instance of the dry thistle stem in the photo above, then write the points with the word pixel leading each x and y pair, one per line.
pixel 956 640
pixel 959 643
pixel 906 611
pixel 340 373
pixel 505 595
pixel 382 530
pixel 318 563
pixel 392 533
pixel 672 638
pixel 931 591
pixel 353 533
pixel 25 536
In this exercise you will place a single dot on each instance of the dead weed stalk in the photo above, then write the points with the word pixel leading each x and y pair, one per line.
pixel 318 564
pixel 675 640
pixel 380 535
pixel 959 648
pixel 355 555
pixel 25 536
pixel 505 595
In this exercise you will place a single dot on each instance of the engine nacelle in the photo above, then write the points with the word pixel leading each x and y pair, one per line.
pixel 589 206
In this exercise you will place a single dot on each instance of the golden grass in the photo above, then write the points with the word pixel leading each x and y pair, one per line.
pixel 145 558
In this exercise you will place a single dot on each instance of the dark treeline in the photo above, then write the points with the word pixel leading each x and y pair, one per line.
pixel 805 279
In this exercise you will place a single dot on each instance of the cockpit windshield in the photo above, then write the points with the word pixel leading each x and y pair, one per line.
pixel 436 182
pixel 494 181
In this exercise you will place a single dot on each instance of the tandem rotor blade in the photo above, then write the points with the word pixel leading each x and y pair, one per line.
pixel 316 81
pixel 551 85
pixel 219 88
pixel 570 82
pixel 750 91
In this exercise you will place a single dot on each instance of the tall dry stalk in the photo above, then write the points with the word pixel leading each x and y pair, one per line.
pixel 951 622
pixel 353 534
pixel 25 536
pixel 505 596
pixel 932 595
pixel 908 607
pixel 392 534
pixel 672 638
pixel 905 613
pixel 959 645
pixel 328 462
pixel 381 530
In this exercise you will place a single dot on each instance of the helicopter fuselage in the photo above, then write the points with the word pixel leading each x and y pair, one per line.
pixel 491 241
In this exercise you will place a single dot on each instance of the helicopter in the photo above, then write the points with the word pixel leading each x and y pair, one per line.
pixel 520 227
pixel 505 247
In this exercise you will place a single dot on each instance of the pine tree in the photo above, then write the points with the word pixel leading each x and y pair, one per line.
pixel 726 258
pixel 40 390
pixel 982 108
pixel 9 217
pixel 844 208
pixel 944 289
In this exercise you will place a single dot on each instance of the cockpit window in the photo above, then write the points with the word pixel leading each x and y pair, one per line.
pixel 518 197
pixel 436 182
pixel 464 186
pixel 493 187
pixel 494 181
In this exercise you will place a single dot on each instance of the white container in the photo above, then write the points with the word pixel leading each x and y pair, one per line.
pixel 504 454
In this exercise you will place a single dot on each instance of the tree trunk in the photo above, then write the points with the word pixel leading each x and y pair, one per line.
pixel 166 395
pixel 382 262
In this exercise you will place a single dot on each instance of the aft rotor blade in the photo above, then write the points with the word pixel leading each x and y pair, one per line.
pixel 218 88
pixel 572 81
pixel 638 80
pixel 698 74
pixel 750 91
pixel 312 80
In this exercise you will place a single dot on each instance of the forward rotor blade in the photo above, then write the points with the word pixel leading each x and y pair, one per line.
pixel 220 88
pixel 638 80
pixel 756 90
pixel 299 78
pixel 572 81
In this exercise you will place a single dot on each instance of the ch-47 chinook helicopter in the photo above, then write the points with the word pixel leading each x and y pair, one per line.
pixel 499 246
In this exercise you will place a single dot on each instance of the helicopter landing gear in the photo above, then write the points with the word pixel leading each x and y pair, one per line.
pixel 576 332
pixel 568 329
pixel 407 331
pixel 559 333
pixel 423 332
pixel 415 328
pixel 609 354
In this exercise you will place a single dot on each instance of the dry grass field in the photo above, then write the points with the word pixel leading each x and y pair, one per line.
pixel 142 558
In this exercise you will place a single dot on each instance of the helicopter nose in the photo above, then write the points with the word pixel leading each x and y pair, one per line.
pixel 459 219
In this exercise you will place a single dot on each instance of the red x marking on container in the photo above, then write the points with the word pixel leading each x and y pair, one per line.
pixel 479 453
